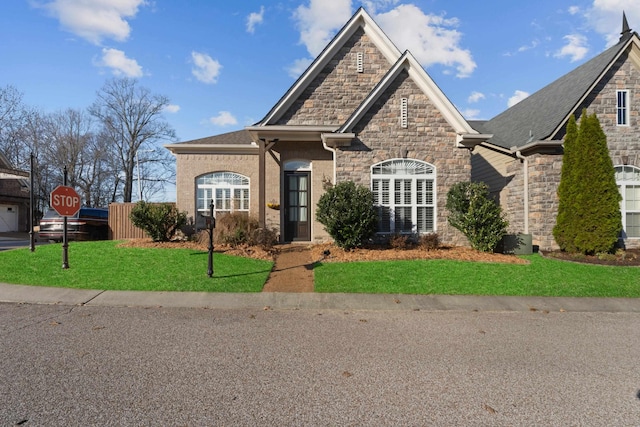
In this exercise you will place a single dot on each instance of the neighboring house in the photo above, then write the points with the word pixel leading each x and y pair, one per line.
pixel 363 111
pixel 523 160
pixel 14 198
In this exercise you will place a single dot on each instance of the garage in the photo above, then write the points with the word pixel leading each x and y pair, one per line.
pixel 8 218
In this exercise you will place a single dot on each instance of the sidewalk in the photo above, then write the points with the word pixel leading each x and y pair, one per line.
pixel 311 301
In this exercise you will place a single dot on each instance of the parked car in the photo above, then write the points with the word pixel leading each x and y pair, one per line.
pixel 87 224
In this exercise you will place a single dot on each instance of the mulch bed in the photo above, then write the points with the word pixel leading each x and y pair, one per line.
pixel 627 258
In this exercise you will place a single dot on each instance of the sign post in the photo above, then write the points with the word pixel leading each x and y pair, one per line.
pixel 66 201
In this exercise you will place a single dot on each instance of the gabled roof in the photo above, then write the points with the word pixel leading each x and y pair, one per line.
pixel 360 19
pixel 409 63
pixel 543 114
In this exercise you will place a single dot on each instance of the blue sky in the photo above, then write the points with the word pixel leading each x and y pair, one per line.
pixel 224 64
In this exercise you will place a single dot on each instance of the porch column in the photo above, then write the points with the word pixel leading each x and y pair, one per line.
pixel 262 203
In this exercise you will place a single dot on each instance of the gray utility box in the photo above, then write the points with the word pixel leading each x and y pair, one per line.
pixel 517 244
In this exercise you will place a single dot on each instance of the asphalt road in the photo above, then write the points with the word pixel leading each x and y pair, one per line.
pixel 78 365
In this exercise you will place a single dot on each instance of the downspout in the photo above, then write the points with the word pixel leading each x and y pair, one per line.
pixel 333 154
pixel 525 163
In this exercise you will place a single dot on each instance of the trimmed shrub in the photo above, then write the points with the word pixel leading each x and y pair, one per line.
pixel 589 219
pixel 238 228
pixel 159 220
pixel 347 213
pixel 476 215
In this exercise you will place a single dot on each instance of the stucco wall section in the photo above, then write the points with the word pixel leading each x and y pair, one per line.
pixel 338 89
pixel 428 137
pixel 191 166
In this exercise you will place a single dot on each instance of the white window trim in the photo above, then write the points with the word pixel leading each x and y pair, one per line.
pixel 626 107
pixel 413 178
pixel 229 186
pixel 622 184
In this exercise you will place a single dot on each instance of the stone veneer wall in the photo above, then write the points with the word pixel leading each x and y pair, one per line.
pixel 339 89
pixel 545 169
pixel 428 137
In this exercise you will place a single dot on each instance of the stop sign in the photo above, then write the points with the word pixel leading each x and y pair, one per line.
pixel 65 200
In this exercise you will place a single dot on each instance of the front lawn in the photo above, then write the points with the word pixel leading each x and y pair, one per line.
pixel 542 277
pixel 104 265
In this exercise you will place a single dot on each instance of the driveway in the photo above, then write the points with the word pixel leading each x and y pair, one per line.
pixel 96 365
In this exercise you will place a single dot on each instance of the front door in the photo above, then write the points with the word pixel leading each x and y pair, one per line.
pixel 297 224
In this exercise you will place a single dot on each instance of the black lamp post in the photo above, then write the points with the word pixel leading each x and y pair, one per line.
pixel 32 242
pixel 211 224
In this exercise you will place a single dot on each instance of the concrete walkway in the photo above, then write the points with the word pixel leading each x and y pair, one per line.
pixel 311 301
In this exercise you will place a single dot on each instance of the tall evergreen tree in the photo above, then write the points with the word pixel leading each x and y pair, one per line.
pixel 598 200
pixel 564 232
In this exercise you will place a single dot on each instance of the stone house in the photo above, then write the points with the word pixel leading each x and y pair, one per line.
pixel 522 160
pixel 363 111
pixel 14 198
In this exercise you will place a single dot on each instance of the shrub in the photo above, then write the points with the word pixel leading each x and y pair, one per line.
pixel 238 228
pixel 347 213
pixel 588 218
pixel 159 220
pixel 476 215
pixel 430 241
pixel 401 241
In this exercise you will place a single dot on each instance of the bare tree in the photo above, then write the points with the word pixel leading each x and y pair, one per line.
pixel 132 119
pixel 12 117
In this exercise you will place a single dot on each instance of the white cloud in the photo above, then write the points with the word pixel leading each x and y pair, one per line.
pixel 470 114
pixel 605 17
pixel 172 108
pixel 432 39
pixel 475 97
pixel 298 67
pixel 573 10
pixel 224 118
pixel 94 20
pixel 518 96
pixel 575 48
pixel 206 68
pixel 119 63
pixel 254 19
pixel 319 21
pixel 373 5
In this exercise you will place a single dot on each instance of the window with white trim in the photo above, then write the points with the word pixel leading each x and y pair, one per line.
pixel 228 190
pixel 628 180
pixel 404 193
pixel 622 107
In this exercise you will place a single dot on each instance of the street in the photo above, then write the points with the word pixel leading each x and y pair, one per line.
pixel 80 365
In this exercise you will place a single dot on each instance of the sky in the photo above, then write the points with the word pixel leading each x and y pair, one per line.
pixel 224 64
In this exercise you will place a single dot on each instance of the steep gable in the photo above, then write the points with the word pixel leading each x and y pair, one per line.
pixel 543 114
pixel 409 65
pixel 328 91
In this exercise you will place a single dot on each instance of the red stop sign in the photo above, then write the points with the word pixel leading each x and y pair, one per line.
pixel 65 200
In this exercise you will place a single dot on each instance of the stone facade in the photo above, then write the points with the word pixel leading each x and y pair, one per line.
pixel 339 88
pixel 427 137
pixel 545 169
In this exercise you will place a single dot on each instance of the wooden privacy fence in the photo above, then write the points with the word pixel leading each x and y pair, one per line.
pixel 120 226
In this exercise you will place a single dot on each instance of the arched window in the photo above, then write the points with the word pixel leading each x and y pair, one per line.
pixel 628 180
pixel 405 196
pixel 228 190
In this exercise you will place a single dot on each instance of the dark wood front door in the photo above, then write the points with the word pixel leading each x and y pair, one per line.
pixel 297 222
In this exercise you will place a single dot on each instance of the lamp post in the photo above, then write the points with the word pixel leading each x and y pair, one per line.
pixel 211 224
pixel 32 244
pixel 138 169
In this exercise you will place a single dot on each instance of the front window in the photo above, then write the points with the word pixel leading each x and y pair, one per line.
pixel 628 180
pixel 622 108
pixel 404 196
pixel 228 190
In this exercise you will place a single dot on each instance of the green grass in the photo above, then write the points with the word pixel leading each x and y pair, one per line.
pixel 542 277
pixel 103 265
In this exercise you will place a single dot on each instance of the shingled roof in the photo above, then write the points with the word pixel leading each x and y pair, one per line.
pixel 240 137
pixel 539 116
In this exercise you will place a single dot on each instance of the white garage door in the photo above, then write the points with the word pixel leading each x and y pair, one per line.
pixel 8 218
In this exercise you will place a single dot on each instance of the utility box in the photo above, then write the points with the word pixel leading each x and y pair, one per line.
pixel 516 244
